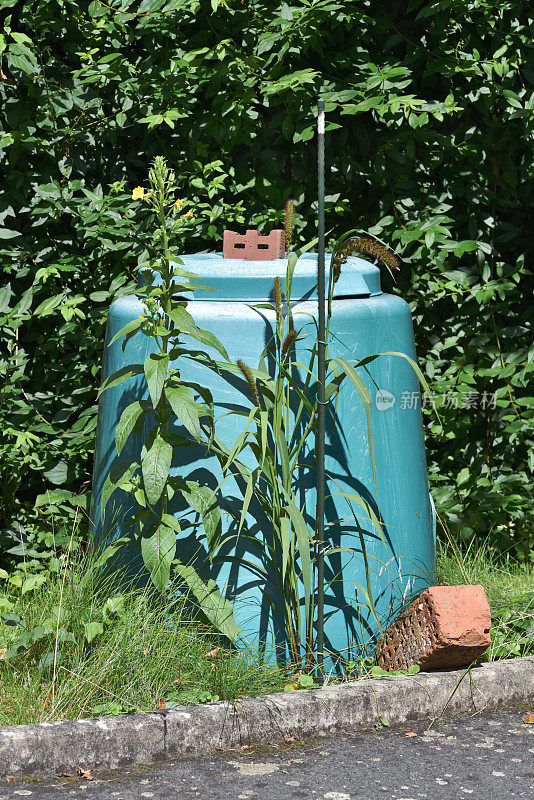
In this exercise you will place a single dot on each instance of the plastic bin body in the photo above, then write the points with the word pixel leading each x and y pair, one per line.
pixel 364 322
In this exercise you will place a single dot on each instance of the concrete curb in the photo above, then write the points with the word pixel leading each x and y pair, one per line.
pixel 145 738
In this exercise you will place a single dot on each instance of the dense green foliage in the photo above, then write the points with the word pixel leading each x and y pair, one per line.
pixel 430 139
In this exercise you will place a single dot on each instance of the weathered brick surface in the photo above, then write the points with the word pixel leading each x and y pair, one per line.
pixel 446 627
pixel 254 247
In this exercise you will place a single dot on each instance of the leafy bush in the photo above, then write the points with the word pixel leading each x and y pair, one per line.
pixel 430 143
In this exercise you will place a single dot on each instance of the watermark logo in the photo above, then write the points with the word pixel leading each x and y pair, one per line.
pixel 384 400
pixel 409 400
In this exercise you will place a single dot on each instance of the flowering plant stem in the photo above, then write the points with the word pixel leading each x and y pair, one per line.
pixel 167 413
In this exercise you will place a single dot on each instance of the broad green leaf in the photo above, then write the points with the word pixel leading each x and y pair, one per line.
pixel 113 607
pixel 122 374
pixel 183 320
pixel 33 582
pixel 171 522
pixel 21 37
pixel 24 303
pixel 92 630
pixel 210 340
pixel 186 324
pixel 53 497
pixel 48 306
pixel 155 369
pixel 23 549
pixel 7 234
pixel 130 327
pixel 155 465
pixel 465 246
pixel 5 295
pixel 185 408
pixel 126 424
pixel 152 120
pixel 203 500
pixel 58 473
pixel 158 551
pixel 216 608
pixel 96 9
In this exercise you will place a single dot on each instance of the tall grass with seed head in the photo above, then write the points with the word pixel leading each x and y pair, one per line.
pixel 280 431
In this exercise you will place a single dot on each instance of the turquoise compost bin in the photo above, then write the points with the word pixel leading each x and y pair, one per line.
pixel 364 321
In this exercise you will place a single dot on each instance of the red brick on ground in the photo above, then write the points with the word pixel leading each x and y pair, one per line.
pixel 446 627
pixel 254 247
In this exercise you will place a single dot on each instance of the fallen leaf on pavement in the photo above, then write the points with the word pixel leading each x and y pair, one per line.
pixel 247 746
pixel 213 653
pixel 410 734
pixel 85 773
pixel 529 718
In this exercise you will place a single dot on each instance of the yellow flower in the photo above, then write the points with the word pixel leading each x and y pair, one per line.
pixel 138 193
pixel 188 215
pixel 178 204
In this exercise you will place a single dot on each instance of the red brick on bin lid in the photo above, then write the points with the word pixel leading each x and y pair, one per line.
pixel 252 246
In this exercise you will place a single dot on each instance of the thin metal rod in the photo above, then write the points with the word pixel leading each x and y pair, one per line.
pixel 321 368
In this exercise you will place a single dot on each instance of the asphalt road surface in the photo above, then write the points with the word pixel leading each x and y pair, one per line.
pixel 477 757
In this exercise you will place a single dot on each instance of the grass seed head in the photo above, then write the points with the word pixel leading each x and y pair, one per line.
pixel 289 223
pixel 288 343
pixel 246 371
pixel 367 246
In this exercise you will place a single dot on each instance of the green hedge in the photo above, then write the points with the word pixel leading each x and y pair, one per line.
pixel 430 137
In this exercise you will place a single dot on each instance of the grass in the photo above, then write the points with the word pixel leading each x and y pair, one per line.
pixel 115 652
pixel 86 650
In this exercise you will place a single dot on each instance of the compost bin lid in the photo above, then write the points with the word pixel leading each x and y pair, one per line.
pixel 235 279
